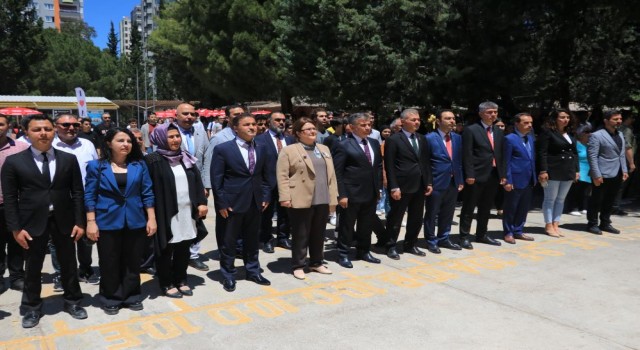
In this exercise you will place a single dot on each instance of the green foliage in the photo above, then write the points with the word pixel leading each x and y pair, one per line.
pixel 21 44
pixel 112 42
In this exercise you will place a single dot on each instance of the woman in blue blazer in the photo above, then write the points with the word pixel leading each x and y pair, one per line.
pixel 120 213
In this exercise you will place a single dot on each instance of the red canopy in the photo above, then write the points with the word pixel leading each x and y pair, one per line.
pixel 261 111
pixel 19 111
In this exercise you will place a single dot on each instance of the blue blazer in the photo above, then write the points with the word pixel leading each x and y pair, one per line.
pixel 442 166
pixel 520 164
pixel 114 209
pixel 232 183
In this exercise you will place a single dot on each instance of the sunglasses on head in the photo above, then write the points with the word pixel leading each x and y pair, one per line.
pixel 66 125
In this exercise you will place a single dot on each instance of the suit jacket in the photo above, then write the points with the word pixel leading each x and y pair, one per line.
pixel 114 209
pixel 201 142
pixel 296 175
pixel 477 154
pixel 358 179
pixel 227 134
pixel 25 193
pixel 232 183
pixel 442 166
pixel 557 156
pixel 405 169
pixel 520 163
pixel 605 158
pixel 265 140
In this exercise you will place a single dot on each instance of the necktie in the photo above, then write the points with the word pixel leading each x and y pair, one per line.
pixel 46 173
pixel 366 150
pixel 414 143
pixel 252 157
pixel 447 142
pixel 491 142
pixel 278 143
pixel 525 139
pixel 189 136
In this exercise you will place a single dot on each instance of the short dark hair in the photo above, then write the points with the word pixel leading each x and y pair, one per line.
pixel 133 156
pixel 27 120
pixel 441 111
pixel 517 117
pixel 133 120
pixel 85 120
pixel 314 112
pixel 610 113
pixel 230 107
pixel 261 117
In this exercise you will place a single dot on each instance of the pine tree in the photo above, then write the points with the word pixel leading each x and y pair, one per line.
pixel 112 42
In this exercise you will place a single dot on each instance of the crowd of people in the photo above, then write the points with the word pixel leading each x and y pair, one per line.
pixel 140 194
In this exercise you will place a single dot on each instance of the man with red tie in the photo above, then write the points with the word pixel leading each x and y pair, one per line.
pixel 445 149
pixel 483 171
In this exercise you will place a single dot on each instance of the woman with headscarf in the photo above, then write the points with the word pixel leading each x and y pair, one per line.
pixel 180 201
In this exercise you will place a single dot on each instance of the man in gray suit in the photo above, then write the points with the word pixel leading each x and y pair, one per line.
pixel 606 153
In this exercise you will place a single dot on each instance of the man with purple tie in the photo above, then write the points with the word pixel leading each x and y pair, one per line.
pixel 519 157
pixel 445 151
pixel 242 184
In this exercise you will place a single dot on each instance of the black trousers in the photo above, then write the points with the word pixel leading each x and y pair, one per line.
pixel 244 226
pixel 282 228
pixel 66 247
pixel 120 252
pixel 148 257
pixel 84 251
pixel 307 233
pixel 481 195
pixel 578 197
pixel 601 201
pixel 172 264
pixel 413 204
pixel 362 214
pixel 11 254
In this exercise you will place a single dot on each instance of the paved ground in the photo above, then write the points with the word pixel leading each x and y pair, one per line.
pixel 577 292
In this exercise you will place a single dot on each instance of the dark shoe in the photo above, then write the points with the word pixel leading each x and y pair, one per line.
pixel 345 262
pixel 31 319
pixel 76 311
pixel 610 229
pixel 393 254
pixel 619 212
pixel 137 306
pixel 229 285
pixel 57 285
pixel 488 240
pixel 284 243
pixel 166 293
pixel 110 309
pixel 449 245
pixel 466 243
pixel 149 271
pixel 91 279
pixel 267 247
pixel 415 251
pixel 523 237
pixel 198 265
pixel 433 249
pixel 509 239
pixel 17 285
pixel 366 256
pixel 188 292
pixel 259 279
pixel 594 229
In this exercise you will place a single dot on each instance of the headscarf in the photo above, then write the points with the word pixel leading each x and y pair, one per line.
pixel 159 138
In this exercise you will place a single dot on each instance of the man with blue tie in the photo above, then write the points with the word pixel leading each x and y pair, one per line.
pixel 445 148
pixel 520 166
pixel 241 182
pixel 274 140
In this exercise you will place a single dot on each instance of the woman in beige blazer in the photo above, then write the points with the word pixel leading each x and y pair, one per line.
pixel 307 187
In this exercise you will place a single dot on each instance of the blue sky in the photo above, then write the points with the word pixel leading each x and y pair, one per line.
pixel 99 14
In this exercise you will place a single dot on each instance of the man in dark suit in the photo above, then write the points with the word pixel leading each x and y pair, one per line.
pixel 408 169
pixel 242 184
pixel 44 198
pixel 483 170
pixel 273 141
pixel 445 148
pixel 520 166
pixel 358 165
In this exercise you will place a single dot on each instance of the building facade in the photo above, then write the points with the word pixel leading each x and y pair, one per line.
pixel 54 13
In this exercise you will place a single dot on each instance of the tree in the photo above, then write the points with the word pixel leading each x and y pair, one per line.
pixel 21 44
pixel 112 42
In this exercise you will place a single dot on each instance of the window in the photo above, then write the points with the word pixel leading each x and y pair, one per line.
pixel 48 6
pixel 48 19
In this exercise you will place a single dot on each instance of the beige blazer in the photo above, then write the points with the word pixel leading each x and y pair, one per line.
pixel 295 176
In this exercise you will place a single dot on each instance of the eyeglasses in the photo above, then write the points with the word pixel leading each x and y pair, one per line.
pixel 66 125
pixel 309 129
pixel 193 114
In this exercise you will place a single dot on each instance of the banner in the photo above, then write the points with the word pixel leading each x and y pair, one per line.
pixel 82 103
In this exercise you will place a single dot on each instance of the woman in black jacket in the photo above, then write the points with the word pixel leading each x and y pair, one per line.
pixel 180 201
